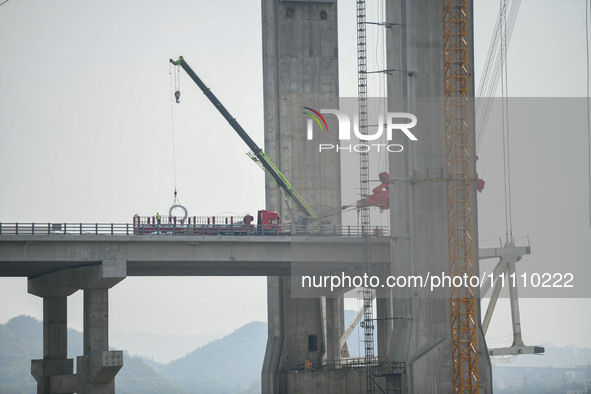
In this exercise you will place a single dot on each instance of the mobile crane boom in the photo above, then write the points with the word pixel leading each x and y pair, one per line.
pixel 262 158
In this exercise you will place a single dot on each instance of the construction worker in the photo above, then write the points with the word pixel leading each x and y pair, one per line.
pixel 158 217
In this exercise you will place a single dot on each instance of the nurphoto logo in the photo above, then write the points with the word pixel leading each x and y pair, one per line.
pixel 389 123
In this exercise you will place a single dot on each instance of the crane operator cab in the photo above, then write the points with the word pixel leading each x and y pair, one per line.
pixel 269 222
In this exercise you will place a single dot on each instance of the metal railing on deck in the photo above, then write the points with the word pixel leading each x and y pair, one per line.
pixel 186 229
pixel 382 365
pixel 197 220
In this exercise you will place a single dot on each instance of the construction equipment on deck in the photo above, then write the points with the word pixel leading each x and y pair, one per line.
pixel 258 154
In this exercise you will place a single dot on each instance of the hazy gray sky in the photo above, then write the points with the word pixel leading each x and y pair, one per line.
pixel 85 136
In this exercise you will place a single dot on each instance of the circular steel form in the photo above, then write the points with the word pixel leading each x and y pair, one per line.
pixel 181 207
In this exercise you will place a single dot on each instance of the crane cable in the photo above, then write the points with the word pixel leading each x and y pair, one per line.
pixel 505 118
pixel 176 78
pixel 588 109
pixel 492 72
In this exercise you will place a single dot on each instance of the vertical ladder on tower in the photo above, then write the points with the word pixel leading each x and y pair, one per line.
pixel 460 191
pixel 368 322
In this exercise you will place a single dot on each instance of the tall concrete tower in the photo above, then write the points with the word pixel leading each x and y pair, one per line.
pixel 420 334
pixel 300 68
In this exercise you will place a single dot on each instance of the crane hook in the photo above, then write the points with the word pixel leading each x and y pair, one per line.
pixel 177 95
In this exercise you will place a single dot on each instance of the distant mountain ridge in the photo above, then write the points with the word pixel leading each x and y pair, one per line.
pixel 204 370
pixel 228 365
pixel 161 348
pixel 232 364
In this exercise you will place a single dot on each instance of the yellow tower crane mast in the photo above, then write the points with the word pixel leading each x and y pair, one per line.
pixel 460 192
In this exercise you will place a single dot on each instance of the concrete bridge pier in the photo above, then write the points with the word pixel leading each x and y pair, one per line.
pixel 97 367
pixel 55 367
pixel 421 333
pixel 300 69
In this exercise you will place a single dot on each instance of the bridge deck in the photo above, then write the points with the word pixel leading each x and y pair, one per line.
pixel 181 255
pixel 175 228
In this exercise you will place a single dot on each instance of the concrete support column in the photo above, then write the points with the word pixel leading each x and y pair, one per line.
pixel 384 323
pixel 55 328
pixel 300 69
pixel 335 322
pixel 55 363
pixel 295 336
pixel 96 320
pixel 421 334
pixel 98 366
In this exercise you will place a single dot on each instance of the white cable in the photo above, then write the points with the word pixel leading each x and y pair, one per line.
pixel 507 127
pixel 503 54
pixel 588 109
pixel 489 80
pixel 172 91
